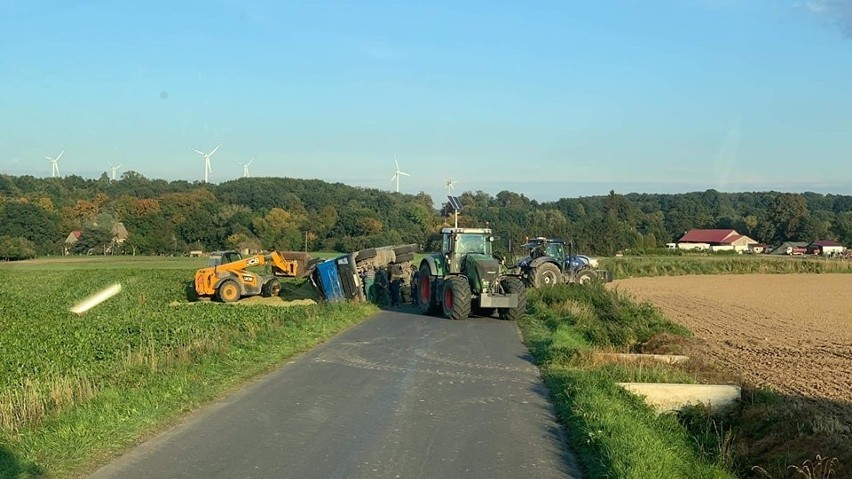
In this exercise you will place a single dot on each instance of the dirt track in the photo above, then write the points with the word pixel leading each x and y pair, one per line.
pixel 790 332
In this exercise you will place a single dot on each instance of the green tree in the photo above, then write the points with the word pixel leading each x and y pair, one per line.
pixel 14 248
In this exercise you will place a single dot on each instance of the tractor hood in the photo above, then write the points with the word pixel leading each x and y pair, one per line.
pixel 482 270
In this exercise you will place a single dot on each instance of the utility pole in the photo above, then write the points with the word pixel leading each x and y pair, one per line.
pixel 306 241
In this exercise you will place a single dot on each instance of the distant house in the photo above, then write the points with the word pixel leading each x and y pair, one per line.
pixel 715 240
pixel 72 238
pixel 826 248
pixel 119 233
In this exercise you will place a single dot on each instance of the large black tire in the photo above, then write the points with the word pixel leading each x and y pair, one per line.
pixel 426 291
pixel 456 300
pixel 366 254
pixel 546 274
pixel 191 293
pixel 228 291
pixel 405 249
pixel 514 285
pixel 587 277
pixel 402 258
pixel 270 288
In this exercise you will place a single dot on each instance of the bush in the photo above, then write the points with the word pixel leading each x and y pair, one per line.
pixel 13 248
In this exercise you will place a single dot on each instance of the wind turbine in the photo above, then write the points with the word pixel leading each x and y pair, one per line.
pixel 397 174
pixel 245 168
pixel 54 164
pixel 114 169
pixel 207 169
pixel 450 185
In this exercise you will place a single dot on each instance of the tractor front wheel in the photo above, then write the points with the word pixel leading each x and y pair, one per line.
pixel 228 291
pixel 456 300
pixel 514 285
pixel 424 291
pixel 546 274
pixel 587 277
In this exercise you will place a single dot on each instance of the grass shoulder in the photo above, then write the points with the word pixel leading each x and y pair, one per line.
pixel 615 434
pixel 78 390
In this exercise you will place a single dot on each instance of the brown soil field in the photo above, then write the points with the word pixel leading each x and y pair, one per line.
pixel 792 332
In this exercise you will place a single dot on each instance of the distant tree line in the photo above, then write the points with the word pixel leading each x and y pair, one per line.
pixel 173 217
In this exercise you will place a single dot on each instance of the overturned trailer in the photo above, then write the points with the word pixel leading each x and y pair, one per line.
pixel 342 278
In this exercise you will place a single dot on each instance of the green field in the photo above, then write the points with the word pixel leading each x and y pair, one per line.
pixel 76 389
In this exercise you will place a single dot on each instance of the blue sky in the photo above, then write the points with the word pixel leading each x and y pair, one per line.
pixel 549 99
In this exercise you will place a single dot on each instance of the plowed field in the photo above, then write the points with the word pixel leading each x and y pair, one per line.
pixel 791 332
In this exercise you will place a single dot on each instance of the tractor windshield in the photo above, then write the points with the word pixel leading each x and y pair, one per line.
pixel 556 250
pixel 473 243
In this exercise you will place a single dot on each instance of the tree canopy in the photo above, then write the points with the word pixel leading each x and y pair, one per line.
pixel 162 217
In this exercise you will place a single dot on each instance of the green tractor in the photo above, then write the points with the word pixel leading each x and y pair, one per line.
pixel 465 278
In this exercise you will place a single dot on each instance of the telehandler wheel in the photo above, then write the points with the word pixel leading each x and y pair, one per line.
pixel 587 277
pixel 546 274
pixel 456 300
pixel 514 285
pixel 271 288
pixel 191 294
pixel 228 291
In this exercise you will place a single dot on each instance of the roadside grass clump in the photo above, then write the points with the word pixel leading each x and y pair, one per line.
pixel 614 433
pixel 76 389
pixel 643 266
pixel 606 319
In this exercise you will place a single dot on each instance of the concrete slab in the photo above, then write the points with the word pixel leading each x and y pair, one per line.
pixel 664 397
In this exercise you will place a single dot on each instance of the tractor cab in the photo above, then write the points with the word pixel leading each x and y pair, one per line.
pixel 459 242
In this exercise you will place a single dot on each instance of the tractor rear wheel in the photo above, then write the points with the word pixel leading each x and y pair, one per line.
pixel 546 274
pixel 271 288
pixel 228 291
pixel 514 285
pixel 456 300
pixel 424 291
pixel 587 277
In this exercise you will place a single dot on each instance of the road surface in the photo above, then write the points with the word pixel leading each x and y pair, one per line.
pixel 399 396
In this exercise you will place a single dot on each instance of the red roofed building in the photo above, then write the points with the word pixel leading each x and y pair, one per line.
pixel 715 240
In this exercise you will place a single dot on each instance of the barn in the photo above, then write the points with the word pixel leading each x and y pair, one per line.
pixel 715 240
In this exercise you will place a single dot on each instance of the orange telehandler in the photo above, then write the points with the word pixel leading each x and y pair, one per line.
pixel 227 278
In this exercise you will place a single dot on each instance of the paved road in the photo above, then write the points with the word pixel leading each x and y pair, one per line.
pixel 401 395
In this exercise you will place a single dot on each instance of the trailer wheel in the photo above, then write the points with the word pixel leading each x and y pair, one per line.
pixel 456 300
pixel 546 274
pixel 228 291
pixel 514 285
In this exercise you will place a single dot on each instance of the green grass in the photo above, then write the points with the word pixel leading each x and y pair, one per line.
pixel 75 390
pixel 640 266
pixel 613 432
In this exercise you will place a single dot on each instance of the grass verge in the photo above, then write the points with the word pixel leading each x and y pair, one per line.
pixel 613 432
pixel 75 391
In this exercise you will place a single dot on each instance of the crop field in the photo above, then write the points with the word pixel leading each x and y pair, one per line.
pixel 645 266
pixel 74 388
pixel 789 332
